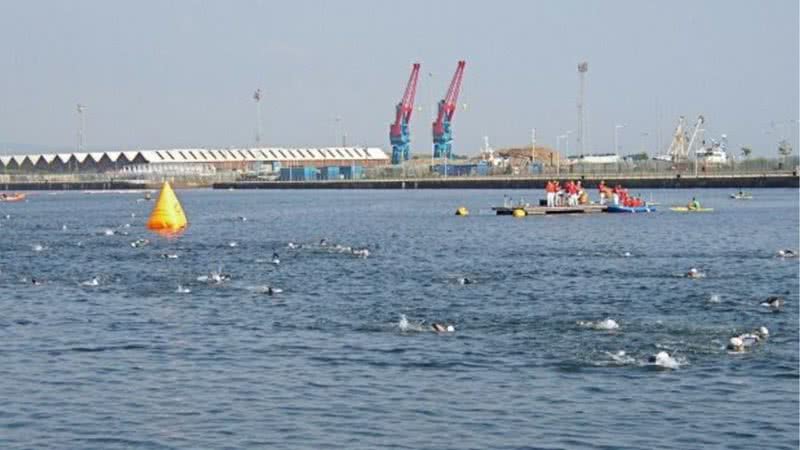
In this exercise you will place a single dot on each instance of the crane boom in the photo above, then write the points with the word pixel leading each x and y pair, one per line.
pixel 442 132
pixel 399 135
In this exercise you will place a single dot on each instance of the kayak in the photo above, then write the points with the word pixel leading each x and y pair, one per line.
pixel 630 209
pixel 17 197
pixel 685 209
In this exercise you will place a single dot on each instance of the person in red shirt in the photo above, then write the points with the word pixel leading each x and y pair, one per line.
pixel 550 188
pixel 572 190
pixel 601 189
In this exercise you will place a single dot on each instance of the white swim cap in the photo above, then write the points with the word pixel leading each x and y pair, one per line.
pixel 451 328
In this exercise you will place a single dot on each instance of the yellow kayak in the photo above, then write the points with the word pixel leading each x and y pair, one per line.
pixel 685 209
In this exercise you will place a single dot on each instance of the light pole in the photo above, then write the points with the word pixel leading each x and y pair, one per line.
pixel 644 135
pixel 566 136
pixel 336 123
pixel 257 98
pixel 558 151
pixel 433 111
pixel 616 137
pixel 81 126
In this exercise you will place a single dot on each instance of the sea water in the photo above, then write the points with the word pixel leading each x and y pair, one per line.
pixel 152 357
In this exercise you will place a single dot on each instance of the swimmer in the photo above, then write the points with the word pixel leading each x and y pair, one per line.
pixel 140 243
pixel 740 343
pixel 323 242
pixel 786 253
pixel 442 328
pixel 91 283
pixel 361 253
pixel 694 272
pixel 169 255
pixel 242 219
pixel 276 259
pixel 774 302
pixel 108 232
pixel 736 344
pixel 217 277
pixel 36 282
pixel 465 280
pixel 292 245
pixel 627 254
pixel 37 247
pixel 607 324
pixel 183 290
pixel 663 359
pixel 233 244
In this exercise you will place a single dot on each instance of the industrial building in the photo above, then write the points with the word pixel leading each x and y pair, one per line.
pixel 193 160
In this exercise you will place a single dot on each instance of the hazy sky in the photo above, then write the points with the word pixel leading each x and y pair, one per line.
pixel 160 74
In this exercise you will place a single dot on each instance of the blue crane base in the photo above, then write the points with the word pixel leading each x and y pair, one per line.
pixel 401 147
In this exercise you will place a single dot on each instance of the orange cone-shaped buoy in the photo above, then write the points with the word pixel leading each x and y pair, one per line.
pixel 167 216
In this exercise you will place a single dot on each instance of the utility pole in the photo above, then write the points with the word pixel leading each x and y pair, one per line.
pixel 582 69
pixel 566 137
pixel 257 98
pixel 558 151
pixel 533 145
pixel 616 137
pixel 81 126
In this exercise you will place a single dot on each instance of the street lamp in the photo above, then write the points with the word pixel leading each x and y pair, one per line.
pixel 616 137
pixel 257 98
pixel 558 150
pixel 82 124
pixel 566 136
pixel 644 136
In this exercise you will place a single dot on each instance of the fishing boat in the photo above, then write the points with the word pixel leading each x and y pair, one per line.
pixel 15 197
pixel 742 196
pixel 630 209
pixel 691 210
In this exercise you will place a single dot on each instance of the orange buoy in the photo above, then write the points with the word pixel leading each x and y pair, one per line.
pixel 167 216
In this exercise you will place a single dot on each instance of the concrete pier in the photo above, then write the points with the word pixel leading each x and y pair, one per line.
pixel 589 181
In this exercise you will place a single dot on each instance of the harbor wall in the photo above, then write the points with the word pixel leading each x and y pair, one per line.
pixel 536 182
pixel 733 182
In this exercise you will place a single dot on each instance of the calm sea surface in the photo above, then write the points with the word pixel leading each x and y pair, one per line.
pixel 132 363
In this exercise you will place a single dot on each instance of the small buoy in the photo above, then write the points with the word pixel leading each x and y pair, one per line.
pixel 167 216
pixel 519 212
pixel 462 211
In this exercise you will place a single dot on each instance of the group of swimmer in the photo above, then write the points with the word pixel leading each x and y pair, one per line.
pixel 323 244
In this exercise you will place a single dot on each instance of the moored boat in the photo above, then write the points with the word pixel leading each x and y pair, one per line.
pixel 630 209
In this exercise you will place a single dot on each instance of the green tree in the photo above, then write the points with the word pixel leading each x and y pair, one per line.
pixel 784 148
pixel 746 151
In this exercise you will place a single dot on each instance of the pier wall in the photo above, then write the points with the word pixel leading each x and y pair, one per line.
pixel 733 182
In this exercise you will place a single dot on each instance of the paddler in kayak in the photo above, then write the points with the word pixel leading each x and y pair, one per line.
pixel 693 205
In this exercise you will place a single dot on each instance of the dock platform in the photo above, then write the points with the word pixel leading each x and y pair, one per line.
pixel 531 210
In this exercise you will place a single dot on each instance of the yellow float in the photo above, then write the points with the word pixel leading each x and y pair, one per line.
pixel 462 211
pixel 167 216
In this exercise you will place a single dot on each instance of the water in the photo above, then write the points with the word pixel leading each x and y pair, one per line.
pixel 132 363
